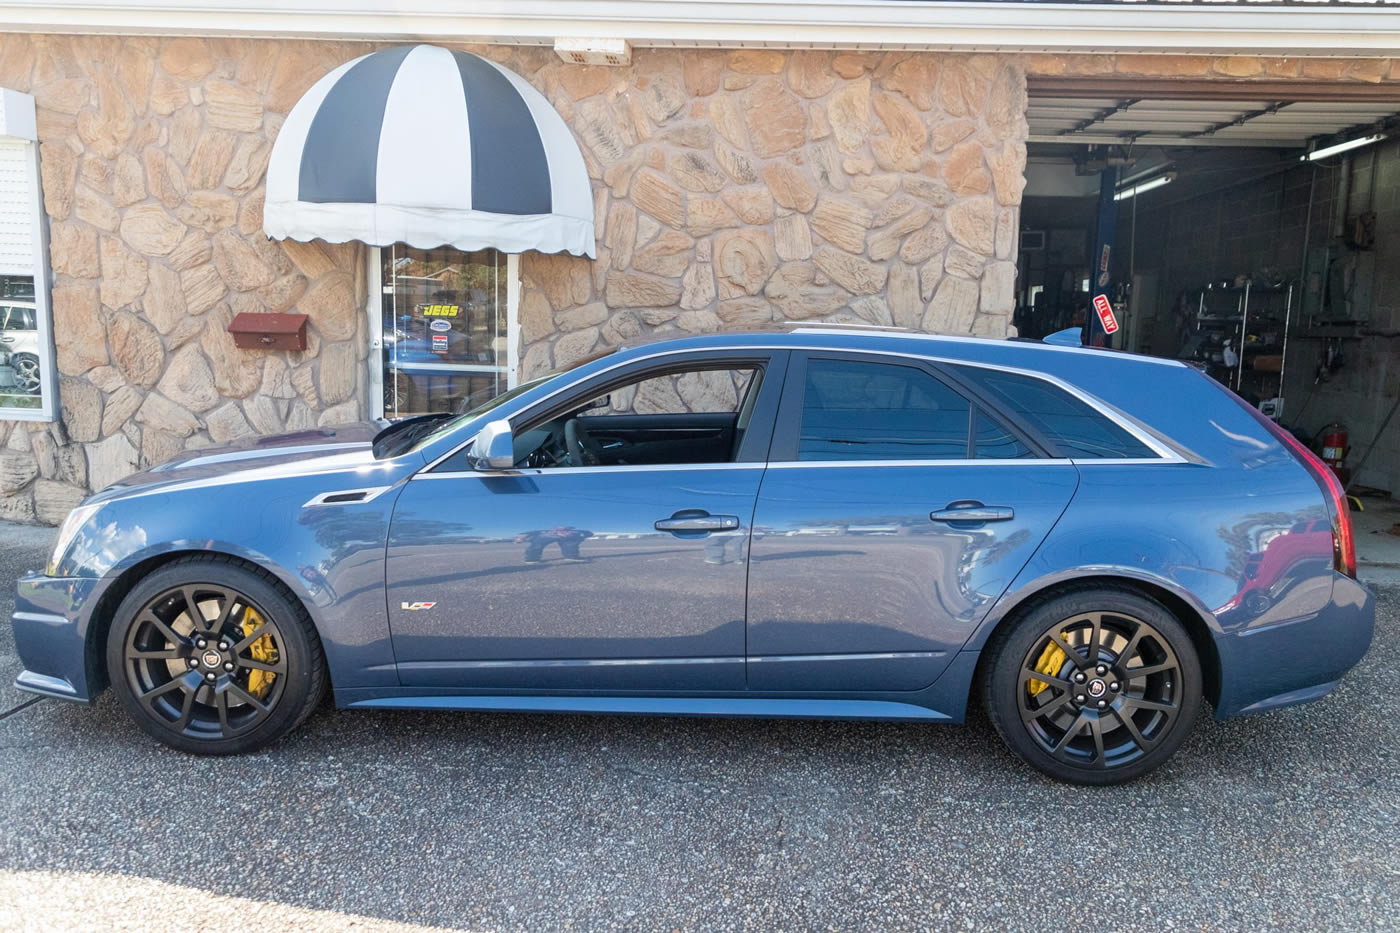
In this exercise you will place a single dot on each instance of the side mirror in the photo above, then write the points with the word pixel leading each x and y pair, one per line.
pixel 494 447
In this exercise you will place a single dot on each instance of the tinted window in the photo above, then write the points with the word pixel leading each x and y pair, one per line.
pixel 1076 428
pixel 994 442
pixel 874 411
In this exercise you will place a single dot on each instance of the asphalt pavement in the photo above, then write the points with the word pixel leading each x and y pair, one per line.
pixel 398 820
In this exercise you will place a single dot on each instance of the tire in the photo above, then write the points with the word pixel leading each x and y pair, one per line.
pixel 248 671
pixel 1101 718
pixel 26 367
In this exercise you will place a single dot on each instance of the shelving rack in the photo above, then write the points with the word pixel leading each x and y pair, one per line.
pixel 1235 314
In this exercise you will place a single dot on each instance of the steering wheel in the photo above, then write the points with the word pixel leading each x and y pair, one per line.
pixel 582 448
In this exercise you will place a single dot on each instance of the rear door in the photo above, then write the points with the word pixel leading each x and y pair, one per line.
pixel 897 507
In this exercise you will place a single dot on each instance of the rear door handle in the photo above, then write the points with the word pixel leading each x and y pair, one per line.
pixel 698 521
pixel 973 512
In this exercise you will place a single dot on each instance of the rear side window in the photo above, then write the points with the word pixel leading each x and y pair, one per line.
pixel 994 442
pixel 854 410
pixel 1077 429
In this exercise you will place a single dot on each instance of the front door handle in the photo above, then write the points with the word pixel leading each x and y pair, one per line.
pixel 694 520
pixel 973 512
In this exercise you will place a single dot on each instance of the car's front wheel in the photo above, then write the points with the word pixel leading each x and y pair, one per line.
pixel 1094 686
pixel 212 657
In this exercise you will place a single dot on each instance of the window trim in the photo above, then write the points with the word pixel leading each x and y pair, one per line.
pixel 19 124
pixel 787 434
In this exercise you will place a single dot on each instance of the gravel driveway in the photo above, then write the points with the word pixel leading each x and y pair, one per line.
pixel 392 820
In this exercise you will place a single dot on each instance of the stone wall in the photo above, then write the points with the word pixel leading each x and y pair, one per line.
pixel 741 188
pixel 152 158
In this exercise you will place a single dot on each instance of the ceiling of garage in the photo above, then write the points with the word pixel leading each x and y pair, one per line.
pixel 1274 124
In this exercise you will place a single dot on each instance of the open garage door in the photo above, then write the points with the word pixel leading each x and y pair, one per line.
pixel 1249 227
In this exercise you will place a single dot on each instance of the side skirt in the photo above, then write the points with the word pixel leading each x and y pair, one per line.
pixel 943 701
pixel 667 706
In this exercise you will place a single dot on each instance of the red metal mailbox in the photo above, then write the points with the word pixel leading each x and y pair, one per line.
pixel 254 331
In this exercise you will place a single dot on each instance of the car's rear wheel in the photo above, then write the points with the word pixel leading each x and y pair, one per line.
pixel 212 657
pixel 1094 686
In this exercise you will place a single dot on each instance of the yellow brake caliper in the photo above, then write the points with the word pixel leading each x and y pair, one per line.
pixel 260 682
pixel 1050 661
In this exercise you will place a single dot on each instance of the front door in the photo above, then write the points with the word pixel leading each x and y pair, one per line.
pixel 613 559
pixel 893 514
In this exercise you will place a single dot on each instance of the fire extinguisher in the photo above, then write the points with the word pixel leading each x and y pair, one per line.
pixel 1334 446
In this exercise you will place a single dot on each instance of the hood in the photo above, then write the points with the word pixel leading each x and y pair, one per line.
pixel 315 450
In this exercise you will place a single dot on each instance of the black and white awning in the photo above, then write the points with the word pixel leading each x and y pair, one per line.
pixel 425 146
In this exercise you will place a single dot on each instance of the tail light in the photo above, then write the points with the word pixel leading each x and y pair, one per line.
pixel 1343 542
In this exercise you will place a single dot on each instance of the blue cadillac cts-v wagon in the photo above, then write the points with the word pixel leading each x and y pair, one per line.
pixel 811 523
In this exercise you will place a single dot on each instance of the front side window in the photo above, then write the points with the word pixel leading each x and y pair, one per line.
pixel 445 334
pixel 1076 428
pixel 855 410
pixel 27 375
pixel 677 417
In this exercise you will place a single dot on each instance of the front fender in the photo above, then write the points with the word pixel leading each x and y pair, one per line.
pixel 331 557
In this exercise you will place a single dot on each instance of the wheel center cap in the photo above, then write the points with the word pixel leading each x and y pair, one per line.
pixel 1097 688
pixel 212 658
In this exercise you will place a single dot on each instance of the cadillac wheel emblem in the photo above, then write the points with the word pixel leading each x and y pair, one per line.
pixel 211 658
pixel 1097 688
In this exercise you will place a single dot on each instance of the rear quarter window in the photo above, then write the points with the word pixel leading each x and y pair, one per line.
pixel 1079 431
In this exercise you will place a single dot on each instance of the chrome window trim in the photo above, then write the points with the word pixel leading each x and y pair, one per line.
pixel 1126 461
pixel 1165 454
pixel 620 468
pixel 962 461
pixel 371 493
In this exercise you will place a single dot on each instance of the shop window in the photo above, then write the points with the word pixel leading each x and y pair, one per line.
pixel 446 329
pixel 27 383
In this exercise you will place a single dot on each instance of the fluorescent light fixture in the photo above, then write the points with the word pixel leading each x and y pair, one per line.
pixel 1347 146
pixel 1132 191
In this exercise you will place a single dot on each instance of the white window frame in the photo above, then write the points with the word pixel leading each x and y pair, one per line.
pixel 374 309
pixel 17 121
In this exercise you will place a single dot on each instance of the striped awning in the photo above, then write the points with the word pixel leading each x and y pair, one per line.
pixel 425 146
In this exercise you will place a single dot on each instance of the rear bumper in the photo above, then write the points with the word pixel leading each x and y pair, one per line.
pixel 1298 661
pixel 51 636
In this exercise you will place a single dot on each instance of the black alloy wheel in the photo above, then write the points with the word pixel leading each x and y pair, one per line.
pixel 1095 687
pixel 211 657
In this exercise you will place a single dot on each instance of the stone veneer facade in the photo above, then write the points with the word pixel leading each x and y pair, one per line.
pixel 731 188
pixel 746 187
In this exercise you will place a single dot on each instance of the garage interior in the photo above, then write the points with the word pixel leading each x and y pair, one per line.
pixel 1230 246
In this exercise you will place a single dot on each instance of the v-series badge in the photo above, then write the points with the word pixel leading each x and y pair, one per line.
pixel 441 310
pixel 414 607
